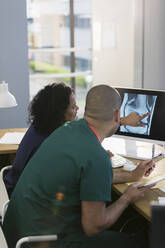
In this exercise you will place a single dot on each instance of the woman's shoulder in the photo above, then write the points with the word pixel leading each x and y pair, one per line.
pixel 32 136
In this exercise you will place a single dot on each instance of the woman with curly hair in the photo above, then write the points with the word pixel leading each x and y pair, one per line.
pixel 50 108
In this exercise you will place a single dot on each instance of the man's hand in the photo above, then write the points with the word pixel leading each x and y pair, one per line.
pixel 133 193
pixel 133 119
pixel 143 169
pixel 110 153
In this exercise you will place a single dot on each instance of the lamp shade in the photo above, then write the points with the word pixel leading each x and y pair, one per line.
pixel 7 100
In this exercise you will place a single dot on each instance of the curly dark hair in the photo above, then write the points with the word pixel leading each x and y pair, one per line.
pixel 47 109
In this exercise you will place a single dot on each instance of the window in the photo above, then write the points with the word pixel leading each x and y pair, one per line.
pixel 59 41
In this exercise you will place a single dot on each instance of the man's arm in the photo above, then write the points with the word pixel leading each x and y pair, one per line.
pixel 121 176
pixel 143 169
pixel 96 217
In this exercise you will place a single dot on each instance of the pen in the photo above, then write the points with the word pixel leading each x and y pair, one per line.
pixel 153 151
pixel 158 156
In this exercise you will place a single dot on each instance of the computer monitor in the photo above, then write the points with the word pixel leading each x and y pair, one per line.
pixel 142 101
pixel 137 142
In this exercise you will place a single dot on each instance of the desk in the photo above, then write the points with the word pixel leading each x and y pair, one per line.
pixel 143 205
pixel 7 152
pixel 9 149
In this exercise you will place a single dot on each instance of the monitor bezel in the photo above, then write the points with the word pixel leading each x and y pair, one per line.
pixel 139 136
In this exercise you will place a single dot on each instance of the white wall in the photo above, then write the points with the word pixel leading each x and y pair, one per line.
pixel 113 61
pixel 154 44
pixel 138 43
pixel 139 57
pixel 13 60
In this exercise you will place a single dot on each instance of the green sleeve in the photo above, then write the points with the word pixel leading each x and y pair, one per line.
pixel 96 180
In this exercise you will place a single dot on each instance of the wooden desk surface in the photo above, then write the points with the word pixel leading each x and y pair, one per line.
pixel 9 149
pixel 143 205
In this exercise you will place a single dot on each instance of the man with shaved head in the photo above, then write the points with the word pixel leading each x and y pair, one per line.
pixel 66 186
pixel 101 102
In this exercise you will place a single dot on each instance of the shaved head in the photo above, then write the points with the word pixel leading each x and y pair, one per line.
pixel 101 102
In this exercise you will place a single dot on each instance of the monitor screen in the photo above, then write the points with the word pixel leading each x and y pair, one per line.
pixel 142 101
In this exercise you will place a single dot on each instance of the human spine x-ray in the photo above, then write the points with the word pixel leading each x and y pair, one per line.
pixel 140 104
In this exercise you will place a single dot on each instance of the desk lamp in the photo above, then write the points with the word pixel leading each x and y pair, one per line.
pixel 7 100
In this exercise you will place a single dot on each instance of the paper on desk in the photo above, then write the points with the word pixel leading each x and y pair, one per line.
pixel 12 138
pixel 161 200
pixel 162 189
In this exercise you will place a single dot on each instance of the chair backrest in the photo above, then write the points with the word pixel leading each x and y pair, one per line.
pixel 2 239
pixel 3 196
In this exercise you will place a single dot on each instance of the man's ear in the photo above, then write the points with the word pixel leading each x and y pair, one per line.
pixel 117 116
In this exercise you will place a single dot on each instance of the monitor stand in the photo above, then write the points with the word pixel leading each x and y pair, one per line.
pixel 131 148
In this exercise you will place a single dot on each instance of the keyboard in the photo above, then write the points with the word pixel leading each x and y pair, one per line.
pixel 119 161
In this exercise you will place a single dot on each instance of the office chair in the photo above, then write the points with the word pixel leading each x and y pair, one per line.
pixel 6 168
pixel 4 199
pixel 2 239
pixel 157 234
pixel 42 238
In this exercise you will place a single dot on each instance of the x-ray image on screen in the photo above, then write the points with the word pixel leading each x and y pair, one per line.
pixel 140 104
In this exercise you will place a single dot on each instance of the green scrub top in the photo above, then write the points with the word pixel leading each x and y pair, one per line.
pixel 69 167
